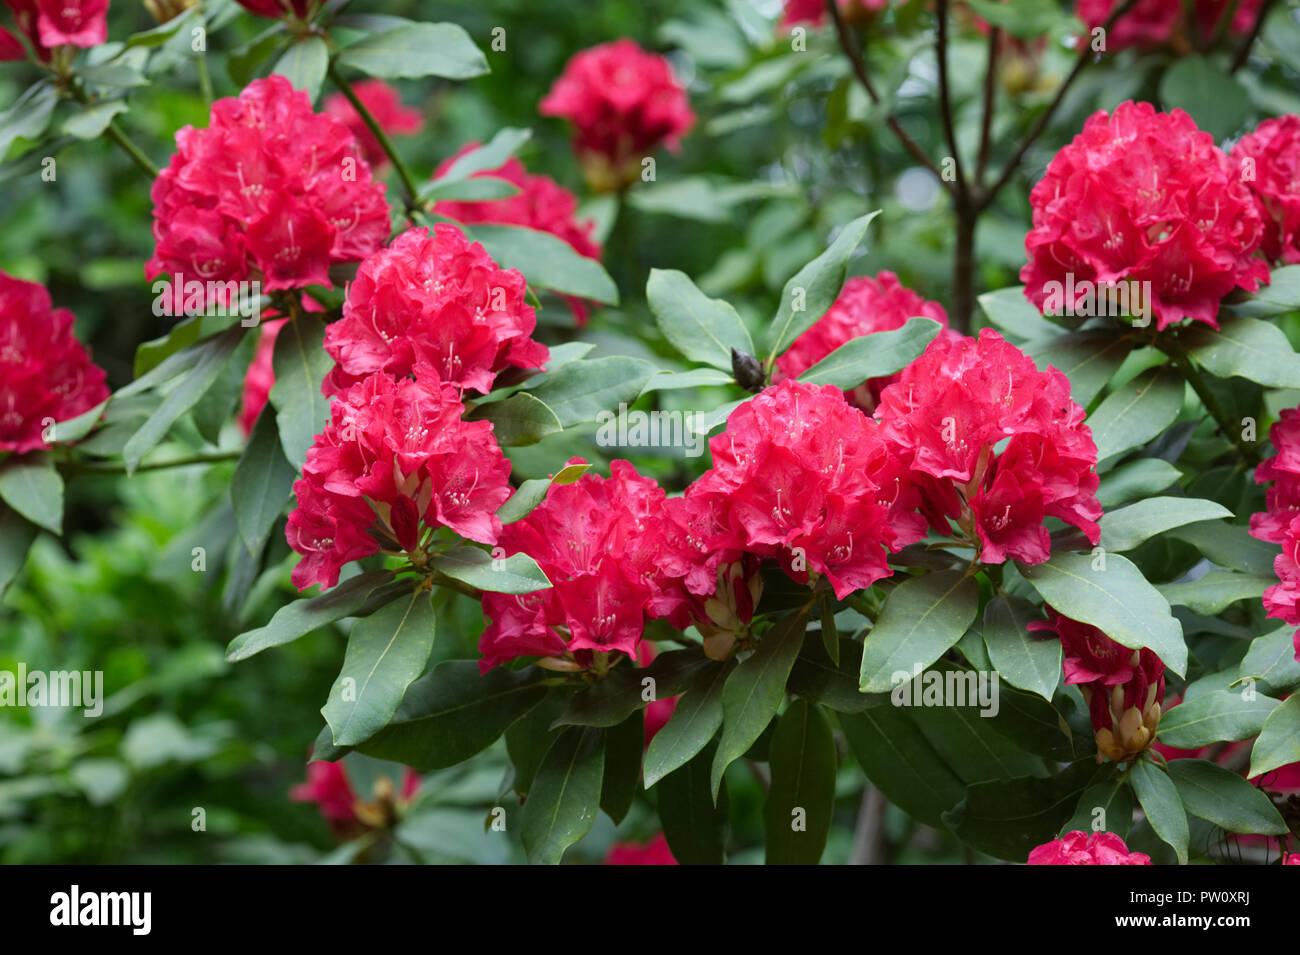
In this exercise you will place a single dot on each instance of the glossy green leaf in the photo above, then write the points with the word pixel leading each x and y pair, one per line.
pixel 1128 527
pixel 1031 661
pixel 921 619
pixel 300 363
pixel 1209 718
pixel 516 574
pixel 701 328
pixel 694 723
pixel 801 798
pixel 1134 479
pixel 1247 348
pixel 873 356
pixel 580 391
pixel 262 482
pixel 1115 800
pixel 519 420
pixel 561 806
pixel 1136 411
pixel 625 690
pixel 416 50
pixel 1213 593
pixel 624 744
pixel 547 262
pixel 1271 659
pixel 1007 818
pixel 1279 741
pixel 1088 359
pixel 31 486
pixel 304 64
pixel 1163 806
pixel 1224 798
pixel 693 824
pixel 901 763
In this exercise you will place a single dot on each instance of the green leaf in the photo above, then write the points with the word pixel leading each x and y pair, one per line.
pixel 1211 594
pixel 386 652
pixel 522 502
pixel 151 354
pixel 547 262
pixel 1088 359
pixel 801 799
pixel 1117 600
pixel 835 687
pixel 623 747
pixel 814 288
pixel 452 712
pixel 300 363
pixel 873 356
pixel 921 619
pixel 1137 478
pixel 28 117
pixel 701 328
pixel 694 722
pixel 1129 526
pixel 529 737
pixel 561 805
pixel 74 429
pixel 301 617
pixel 478 189
pixel 1279 296
pixel 1136 411
pixel 1008 310
pixel 486 158
pixel 1224 798
pixel 1163 806
pixel 1028 19
pixel 91 121
pixel 261 484
pixel 30 485
pixel 16 536
pixel 693 824
pixel 570 473
pixel 415 50
pixel 1271 659
pixel 1113 797
pixel 1211 717
pixel 304 65
pixel 623 691
pixel 901 763
pixel 1279 741
pixel 1214 97
pixel 1229 545
pixel 1247 348
pixel 967 740
pixel 1007 818
pixel 753 693
pixel 1027 660
pixel 580 391
pixel 519 420
pixel 516 574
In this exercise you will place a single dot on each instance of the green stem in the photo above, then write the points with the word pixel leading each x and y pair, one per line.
pixel 404 174
pixel 1230 428
pixel 77 468
pixel 131 149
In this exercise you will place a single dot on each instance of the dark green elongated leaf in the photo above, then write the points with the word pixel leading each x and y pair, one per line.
pixel 1088 359
pixel 1115 800
pixel 90 123
pixel 415 50
pixel 694 722
pixel 1117 600
pixel 149 355
pixel 695 378
pixel 16 536
pixel 547 262
pixel 1214 96
pixel 1008 817
pixel 1163 806
pixel 1136 479
pixel 519 420
pixel 261 484
pixel 486 158
pixel 624 744
pixel 754 691
pixel 830 635
pixel 701 328
pixel 814 288
pixel 561 805
pixel 1224 798
pixel 303 616
pixel 1027 660
pixel 1129 526
pixel 816 678
pixel 873 356
pixel 1022 18
pixel 1245 347
pixel 304 65
pixel 1271 659
pixel 31 486
pixel 693 825
pixel 300 363
pixel 801 799
pixel 1042 728
pixel 386 652
pixel 324 747
pixel 529 737
pixel 213 356
pixel 1211 717
pixel 1279 296
pixel 1211 594
pixel 921 619
pixel 452 712
pixel 580 391
pixel 625 690
pixel 516 574
pixel 29 116
pixel 478 189
pixel 1136 411
pixel 1008 310
pixel 900 761
pixel 526 497
pixel 1230 545
pixel 74 429
pixel 1279 741
pixel 967 741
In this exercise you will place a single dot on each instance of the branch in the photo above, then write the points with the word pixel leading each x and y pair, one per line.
pixel 986 123
pixel 404 174
pixel 1243 54
pixel 945 96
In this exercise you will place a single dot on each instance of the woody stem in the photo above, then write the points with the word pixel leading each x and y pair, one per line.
pixel 403 174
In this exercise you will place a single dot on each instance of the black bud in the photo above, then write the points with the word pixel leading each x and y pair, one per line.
pixel 748 372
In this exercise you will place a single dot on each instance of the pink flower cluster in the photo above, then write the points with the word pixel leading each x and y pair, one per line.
pixel 51 23
pixel 864 306
pixel 1142 196
pixel 1159 23
pixel 385 106
pixel 623 103
pixel 1268 162
pixel 270 191
pixel 45 373
pixel 1280 522
pixel 1081 848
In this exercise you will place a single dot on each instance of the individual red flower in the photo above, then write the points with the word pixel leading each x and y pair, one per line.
pixel 541 203
pixel 807 478
pixel 865 306
pixel 347 813
pixel 45 373
pixel 814 11
pixel 654 852
pixel 1143 197
pixel 279 9
pixel 623 103
pixel 270 192
pixel 1280 522
pixel 385 106
pixel 11 48
pixel 948 413
pixel 260 377
pixel 437 298
pixel 1163 23
pixel 1124 689
pixel 397 456
pixel 51 23
pixel 596 541
pixel 1267 160
pixel 1081 848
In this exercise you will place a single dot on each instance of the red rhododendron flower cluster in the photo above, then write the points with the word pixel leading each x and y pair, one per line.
pixel 814 11
pixel 1154 23
pixel 1144 197
pixel 51 23
pixel 1268 162
pixel 395 458
pixel 594 539
pixel 260 377
pixel 347 813
pixel 1280 523
pixel 270 191
pixel 45 373
pixel 948 412
pixel 1081 848
pixel 385 106
pixel 623 103
pixel 438 299
pixel 654 852
pixel 1124 689
pixel 865 306
pixel 278 9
